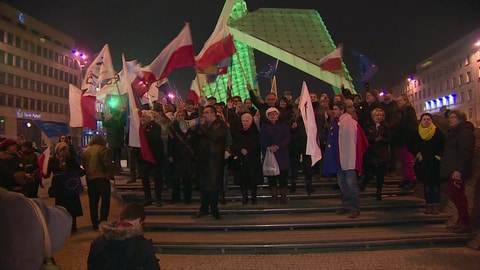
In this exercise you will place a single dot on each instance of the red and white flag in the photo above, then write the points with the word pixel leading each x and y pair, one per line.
pixel 308 115
pixel 194 92
pixel 218 47
pixel 100 69
pixel 136 137
pixel 333 60
pixel 178 53
pixel 43 161
pixel 82 108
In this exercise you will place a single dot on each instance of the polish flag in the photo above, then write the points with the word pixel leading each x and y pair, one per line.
pixel 308 115
pixel 218 47
pixel 82 108
pixel 43 162
pixel 136 137
pixel 178 54
pixel 333 60
pixel 194 92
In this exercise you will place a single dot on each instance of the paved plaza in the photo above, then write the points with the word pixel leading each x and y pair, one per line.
pixel 74 254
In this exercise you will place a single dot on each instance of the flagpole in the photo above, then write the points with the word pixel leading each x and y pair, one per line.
pixel 200 88
pixel 241 67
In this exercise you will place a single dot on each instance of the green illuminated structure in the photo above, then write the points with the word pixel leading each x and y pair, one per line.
pixel 297 37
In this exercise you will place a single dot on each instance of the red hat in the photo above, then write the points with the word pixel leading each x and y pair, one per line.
pixel 7 143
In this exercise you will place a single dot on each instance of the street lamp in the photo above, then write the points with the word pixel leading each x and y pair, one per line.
pixel 81 60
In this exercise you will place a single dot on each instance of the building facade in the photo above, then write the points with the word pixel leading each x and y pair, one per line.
pixel 36 67
pixel 449 79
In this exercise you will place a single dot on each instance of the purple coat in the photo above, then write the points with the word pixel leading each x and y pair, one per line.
pixel 277 134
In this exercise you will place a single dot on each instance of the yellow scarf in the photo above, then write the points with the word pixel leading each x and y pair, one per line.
pixel 426 133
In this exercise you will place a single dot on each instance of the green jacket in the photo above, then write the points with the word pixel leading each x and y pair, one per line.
pixel 97 162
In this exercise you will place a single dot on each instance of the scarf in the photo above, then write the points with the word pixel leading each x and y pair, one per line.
pixel 426 133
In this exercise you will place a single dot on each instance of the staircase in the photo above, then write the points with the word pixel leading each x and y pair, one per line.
pixel 305 224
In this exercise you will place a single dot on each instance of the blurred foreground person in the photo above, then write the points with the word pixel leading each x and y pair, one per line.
pixel 122 244
pixel 22 233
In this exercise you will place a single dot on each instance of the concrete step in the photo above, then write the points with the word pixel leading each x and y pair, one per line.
pixel 312 240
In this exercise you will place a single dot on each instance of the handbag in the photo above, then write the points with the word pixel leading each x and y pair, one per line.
pixel 48 261
pixel 270 165
pixel 235 162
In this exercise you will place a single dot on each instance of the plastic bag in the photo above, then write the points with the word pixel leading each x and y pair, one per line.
pixel 270 165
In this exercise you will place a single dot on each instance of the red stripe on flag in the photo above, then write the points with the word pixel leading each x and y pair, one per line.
pixel 182 57
pixel 332 64
pixel 88 112
pixel 217 52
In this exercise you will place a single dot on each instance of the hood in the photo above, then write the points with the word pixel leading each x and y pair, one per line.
pixel 120 230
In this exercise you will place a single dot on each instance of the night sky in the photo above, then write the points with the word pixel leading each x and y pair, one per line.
pixel 396 35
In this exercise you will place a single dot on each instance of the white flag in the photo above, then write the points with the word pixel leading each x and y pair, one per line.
pixel 308 115
pixel 100 69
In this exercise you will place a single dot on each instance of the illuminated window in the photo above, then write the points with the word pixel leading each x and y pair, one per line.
pixel 462 96
pixel 469 95
pixel 467 61
pixel 460 80
pixel 468 78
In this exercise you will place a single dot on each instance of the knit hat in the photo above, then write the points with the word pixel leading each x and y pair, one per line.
pixel 6 143
pixel 373 92
pixel 272 109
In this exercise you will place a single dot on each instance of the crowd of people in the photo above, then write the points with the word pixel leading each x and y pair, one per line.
pixel 198 145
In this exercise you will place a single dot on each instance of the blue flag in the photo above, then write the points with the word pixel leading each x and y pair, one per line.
pixel 267 72
pixel 367 67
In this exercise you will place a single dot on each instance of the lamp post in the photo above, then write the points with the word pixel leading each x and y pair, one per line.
pixel 81 59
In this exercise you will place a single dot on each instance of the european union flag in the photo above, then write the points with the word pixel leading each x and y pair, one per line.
pixel 267 72
pixel 367 67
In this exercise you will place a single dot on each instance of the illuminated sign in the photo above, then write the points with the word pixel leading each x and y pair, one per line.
pixel 21 17
pixel 28 115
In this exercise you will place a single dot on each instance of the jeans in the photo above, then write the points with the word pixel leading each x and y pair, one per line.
pixel 347 181
pixel 99 188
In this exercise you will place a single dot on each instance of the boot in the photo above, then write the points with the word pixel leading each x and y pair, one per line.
pixel 274 192
pixel 283 193
pixel 429 209
pixel 435 209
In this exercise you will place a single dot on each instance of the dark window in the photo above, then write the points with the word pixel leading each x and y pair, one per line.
pixel 10 101
pixel 25 83
pixel 3 99
pixel 18 102
pixel 55 91
pixel 32 47
pixel 45 70
pixel 55 73
pixel 45 88
pixel 44 106
pixel 10 59
pixel 2 35
pixel 45 53
pixel 25 102
pixel 18 82
pixel 18 61
pixel 50 54
pixel 9 38
pixel 25 64
pixel 32 66
pixel 32 104
pixel 39 50
pixel 2 57
pixel 39 86
pixel 2 78
pixel 25 45
pixel 18 42
pixel 50 107
pixel 50 72
pixel 60 77
pixel 35 32
pixel 38 69
pixel 10 79
pixel 31 86
pixel 39 105
pixel 55 108
pixel 50 89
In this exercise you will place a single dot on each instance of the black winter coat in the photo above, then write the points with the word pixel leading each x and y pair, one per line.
pixel 211 142
pixel 378 152
pixel 458 152
pixel 428 169
pixel 249 139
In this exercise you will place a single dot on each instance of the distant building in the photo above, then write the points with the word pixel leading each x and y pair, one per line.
pixel 36 66
pixel 449 79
